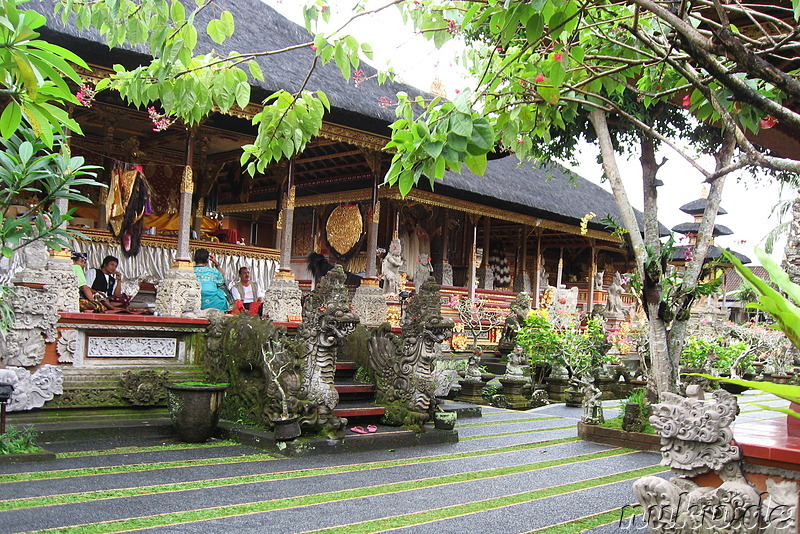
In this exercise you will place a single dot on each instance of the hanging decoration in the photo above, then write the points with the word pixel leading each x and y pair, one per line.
pixel 127 203
pixel 499 265
pixel 345 231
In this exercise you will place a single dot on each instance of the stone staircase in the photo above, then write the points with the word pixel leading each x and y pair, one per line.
pixel 355 398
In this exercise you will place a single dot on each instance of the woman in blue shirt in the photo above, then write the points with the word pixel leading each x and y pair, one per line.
pixel 212 283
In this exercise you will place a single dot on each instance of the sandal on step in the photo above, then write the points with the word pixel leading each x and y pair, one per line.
pixel 372 428
pixel 358 430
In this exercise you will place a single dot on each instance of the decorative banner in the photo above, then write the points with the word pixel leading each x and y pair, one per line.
pixel 344 228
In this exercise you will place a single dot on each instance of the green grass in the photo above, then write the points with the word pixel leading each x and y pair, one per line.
pixel 162 520
pixel 517 432
pixel 616 423
pixel 509 421
pixel 18 441
pixel 34 502
pixel 590 521
pixel 438 514
pixel 156 448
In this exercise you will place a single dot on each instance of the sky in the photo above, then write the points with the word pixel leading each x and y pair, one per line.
pixel 749 202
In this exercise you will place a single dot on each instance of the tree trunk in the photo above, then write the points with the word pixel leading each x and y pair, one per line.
pixel 791 263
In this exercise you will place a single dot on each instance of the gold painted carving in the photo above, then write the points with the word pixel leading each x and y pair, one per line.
pixel 344 227
pixel 187 183
pixel 244 207
pixel 279 222
pixel 393 314
pixel 284 274
pixel 290 198
pixel 376 213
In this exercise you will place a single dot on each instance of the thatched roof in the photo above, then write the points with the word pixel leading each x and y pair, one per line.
pixel 544 190
pixel 696 207
pixel 258 28
pixel 694 227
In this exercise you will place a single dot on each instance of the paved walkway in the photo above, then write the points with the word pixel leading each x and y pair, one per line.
pixel 511 472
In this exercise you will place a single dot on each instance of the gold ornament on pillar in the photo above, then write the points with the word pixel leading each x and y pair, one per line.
pixel 376 213
pixel 279 222
pixel 290 198
pixel 187 183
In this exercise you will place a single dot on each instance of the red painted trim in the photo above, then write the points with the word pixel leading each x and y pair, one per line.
pixel 123 318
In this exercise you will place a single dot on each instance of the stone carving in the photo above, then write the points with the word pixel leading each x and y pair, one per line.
pixel 422 271
pixel 370 305
pixel 485 278
pixel 696 438
pixel 178 293
pixel 282 299
pixel 522 283
pixel 66 345
pixel 144 388
pixel 515 366
pixel 62 285
pixel 544 279
pixel 519 310
pixel 32 390
pixel 391 269
pixel 131 347
pixel 598 279
pixel 565 306
pixel 614 306
pixel 539 398
pixel 444 381
pixel 473 371
pixel 403 366
pixel 327 320
pixel 443 272
pixel 36 316
pixel 592 405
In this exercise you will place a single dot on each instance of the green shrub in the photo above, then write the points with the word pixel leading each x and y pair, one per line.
pixel 18 441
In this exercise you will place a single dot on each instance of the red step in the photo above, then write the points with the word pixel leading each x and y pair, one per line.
pixel 359 411
pixel 346 366
pixel 354 388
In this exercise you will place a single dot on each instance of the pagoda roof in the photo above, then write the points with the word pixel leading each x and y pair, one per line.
pixel 714 252
pixel 696 207
pixel 693 227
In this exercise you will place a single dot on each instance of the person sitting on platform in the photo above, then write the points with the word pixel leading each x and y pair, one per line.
pixel 85 293
pixel 247 295
pixel 213 291
pixel 106 284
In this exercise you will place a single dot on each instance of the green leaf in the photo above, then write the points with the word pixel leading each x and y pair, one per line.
pixel 476 164
pixel 9 121
pixel 255 70
pixel 461 124
pixel 216 30
pixel 551 95
pixel 177 11
pixel 434 148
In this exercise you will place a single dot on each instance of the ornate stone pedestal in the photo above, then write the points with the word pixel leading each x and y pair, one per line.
pixel 512 389
pixel 471 391
pixel 485 278
pixel 443 272
pixel 32 390
pixel 178 294
pixel 282 298
pixel 369 303
pixel 63 282
pixel 522 282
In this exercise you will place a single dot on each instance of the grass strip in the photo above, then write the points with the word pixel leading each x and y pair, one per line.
pixel 590 521
pixel 456 510
pixel 509 421
pixel 71 498
pixel 206 514
pixel 43 475
pixel 154 448
pixel 132 468
pixel 470 438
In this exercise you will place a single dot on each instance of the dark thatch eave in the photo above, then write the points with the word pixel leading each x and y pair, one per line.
pixel 258 28
pixel 693 227
pixel 696 207
pixel 682 252
pixel 547 191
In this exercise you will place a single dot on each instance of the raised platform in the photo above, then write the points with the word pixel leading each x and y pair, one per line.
pixel 619 438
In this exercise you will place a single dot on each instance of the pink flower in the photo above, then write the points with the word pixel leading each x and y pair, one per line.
pixel 358 77
pixel 385 102
pixel 159 120
pixel 458 91
pixel 557 57
pixel 313 47
pixel 686 102
pixel 768 122
pixel 85 95
pixel 540 78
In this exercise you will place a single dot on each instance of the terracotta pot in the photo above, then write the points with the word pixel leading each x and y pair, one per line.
pixel 194 410
pixel 286 429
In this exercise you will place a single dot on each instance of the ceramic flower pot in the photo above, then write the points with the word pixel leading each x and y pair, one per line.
pixel 445 420
pixel 194 410
pixel 286 429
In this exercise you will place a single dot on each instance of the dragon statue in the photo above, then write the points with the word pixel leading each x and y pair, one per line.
pixel 403 366
pixel 328 319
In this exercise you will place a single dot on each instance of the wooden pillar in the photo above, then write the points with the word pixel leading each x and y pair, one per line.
pixel 108 165
pixel 538 264
pixel 445 236
pixel 183 259
pixel 487 225
pixel 473 258
pixel 592 272
pixel 560 268
pixel 288 220
pixel 374 160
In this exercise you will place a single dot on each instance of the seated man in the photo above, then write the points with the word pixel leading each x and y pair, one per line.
pixel 106 284
pixel 86 301
pixel 246 294
pixel 213 291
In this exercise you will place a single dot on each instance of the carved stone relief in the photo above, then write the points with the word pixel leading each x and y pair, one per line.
pixel 131 347
pixel 370 305
pixel 66 345
pixel 35 318
pixel 282 299
pixel 32 390
pixel 144 388
pixel 178 294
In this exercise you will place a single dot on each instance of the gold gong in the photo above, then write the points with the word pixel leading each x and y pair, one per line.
pixel 344 228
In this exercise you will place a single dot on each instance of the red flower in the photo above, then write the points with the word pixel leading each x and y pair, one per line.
pixel 768 122
pixel 313 47
pixel 557 57
pixel 686 102
pixel 540 78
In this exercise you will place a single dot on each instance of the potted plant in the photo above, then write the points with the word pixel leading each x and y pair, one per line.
pixel 277 365
pixel 194 408
pixel 444 420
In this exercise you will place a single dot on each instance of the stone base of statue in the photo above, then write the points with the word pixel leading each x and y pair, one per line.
pixel 522 282
pixel 443 273
pixel 62 283
pixel 512 389
pixel 178 293
pixel 485 278
pixel 282 298
pixel 471 391
pixel 369 303
pixel 613 319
